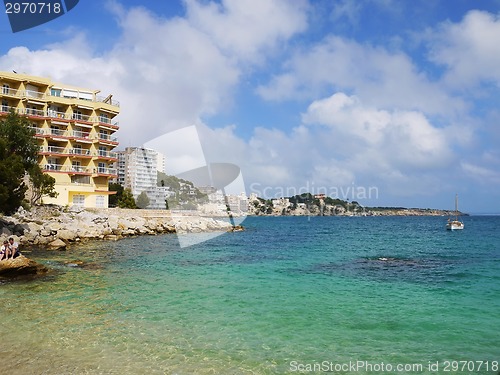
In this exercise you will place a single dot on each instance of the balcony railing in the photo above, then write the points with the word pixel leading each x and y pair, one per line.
pixel 57 132
pixel 78 134
pixel 79 151
pixel 102 99
pixel 78 169
pixel 38 131
pixel 42 95
pixel 53 167
pixel 82 117
pixel 64 151
pixel 53 150
pixel 9 91
pixel 107 154
pixel 106 137
pixel 34 94
pixel 105 170
pixel 58 115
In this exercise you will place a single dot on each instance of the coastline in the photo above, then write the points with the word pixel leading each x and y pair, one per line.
pixel 55 227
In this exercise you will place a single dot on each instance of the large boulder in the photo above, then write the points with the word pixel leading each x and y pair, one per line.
pixel 20 266
pixel 66 235
pixel 57 244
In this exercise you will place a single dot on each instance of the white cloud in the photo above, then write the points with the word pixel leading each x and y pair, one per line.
pixel 244 29
pixel 168 73
pixel 380 77
pixel 482 174
pixel 469 49
pixel 405 138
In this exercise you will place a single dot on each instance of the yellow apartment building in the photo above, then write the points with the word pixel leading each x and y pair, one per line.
pixel 74 128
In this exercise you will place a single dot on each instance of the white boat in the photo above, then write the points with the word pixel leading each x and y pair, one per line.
pixel 455 224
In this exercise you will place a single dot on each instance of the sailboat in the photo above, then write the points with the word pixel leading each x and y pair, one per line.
pixel 455 224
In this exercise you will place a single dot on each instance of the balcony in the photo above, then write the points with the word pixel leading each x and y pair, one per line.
pixel 106 123
pixel 33 94
pixel 53 150
pixel 7 91
pixel 105 171
pixel 52 168
pixel 81 152
pixel 101 154
pixel 79 117
pixel 77 134
pixel 78 169
pixel 58 115
pixel 38 132
pixel 106 138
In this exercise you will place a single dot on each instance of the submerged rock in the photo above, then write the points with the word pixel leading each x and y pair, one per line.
pixel 20 266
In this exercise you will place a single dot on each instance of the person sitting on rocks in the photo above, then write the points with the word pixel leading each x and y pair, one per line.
pixel 14 248
pixel 5 250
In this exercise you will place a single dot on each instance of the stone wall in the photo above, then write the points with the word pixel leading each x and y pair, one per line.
pixel 56 227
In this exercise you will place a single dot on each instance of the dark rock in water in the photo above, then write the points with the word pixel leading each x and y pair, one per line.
pixel 82 264
pixel 236 228
pixel 20 266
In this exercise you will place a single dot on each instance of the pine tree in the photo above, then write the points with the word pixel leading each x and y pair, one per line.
pixel 127 200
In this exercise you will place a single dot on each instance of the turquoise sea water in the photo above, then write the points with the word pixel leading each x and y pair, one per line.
pixel 288 294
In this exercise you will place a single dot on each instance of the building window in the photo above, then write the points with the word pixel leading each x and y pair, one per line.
pixel 99 201
pixel 102 168
pixel 80 180
pixel 5 106
pixel 77 115
pixel 5 89
pixel 79 200
pixel 55 92
pixel 76 166
pixel 104 118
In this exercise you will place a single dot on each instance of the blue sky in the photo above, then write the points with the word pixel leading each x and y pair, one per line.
pixel 402 96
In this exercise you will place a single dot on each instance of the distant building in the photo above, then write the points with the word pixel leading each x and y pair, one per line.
pixel 137 170
pixel 74 128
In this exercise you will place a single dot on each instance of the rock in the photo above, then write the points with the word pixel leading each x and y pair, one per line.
pixel 57 244
pixel 66 235
pixel 236 228
pixel 5 231
pixel 111 237
pixel 20 266
pixel 44 232
pixel 20 229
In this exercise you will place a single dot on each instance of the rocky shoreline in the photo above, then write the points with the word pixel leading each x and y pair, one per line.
pixel 55 227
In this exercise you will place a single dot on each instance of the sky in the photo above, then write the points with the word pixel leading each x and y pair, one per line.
pixel 389 103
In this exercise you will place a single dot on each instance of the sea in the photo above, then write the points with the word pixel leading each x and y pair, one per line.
pixel 289 295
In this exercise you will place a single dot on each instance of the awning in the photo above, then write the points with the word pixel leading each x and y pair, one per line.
pixel 105 192
pixel 107 128
pixel 83 106
pixel 83 125
pixel 32 101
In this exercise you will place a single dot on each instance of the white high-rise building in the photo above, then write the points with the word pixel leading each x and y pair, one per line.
pixel 137 170
pixel 141 171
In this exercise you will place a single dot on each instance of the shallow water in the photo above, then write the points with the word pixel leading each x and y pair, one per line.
pixel 285 293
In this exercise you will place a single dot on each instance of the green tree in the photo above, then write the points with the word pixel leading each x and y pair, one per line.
pixel 127 200
pixel 19 138
pixel 114 198
pixel 12 186
pixel 18 156
pixel 41 185
pixel 142 200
